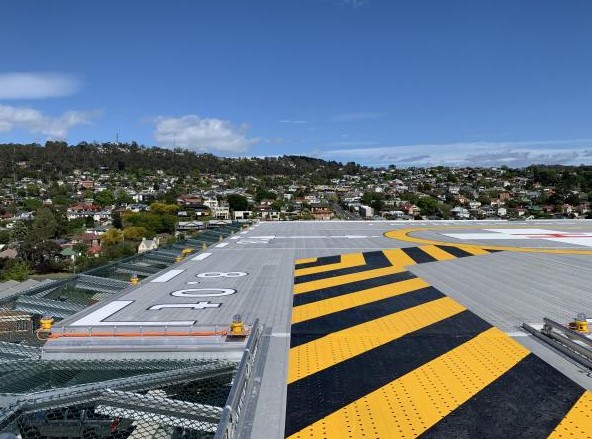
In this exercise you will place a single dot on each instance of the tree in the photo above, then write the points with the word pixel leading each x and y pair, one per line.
pixel 32 204
pixel 136 233
pixel 428 205
pixel 263 194
pixel 123 197
pixel 164 209
pixel 237 202
pixel 17 270
pixel 116 216
pixel 45 224
pixel 120 250
pixel 89 222
pixel 104 198
pixel 20 231
pixel 112 237
pixel 40 253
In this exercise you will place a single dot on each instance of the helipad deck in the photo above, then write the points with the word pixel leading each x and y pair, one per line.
pixel 376 323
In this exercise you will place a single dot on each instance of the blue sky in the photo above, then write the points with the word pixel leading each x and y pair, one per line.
pixel 379 82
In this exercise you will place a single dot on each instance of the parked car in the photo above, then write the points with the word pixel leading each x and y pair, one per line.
pixel 72 422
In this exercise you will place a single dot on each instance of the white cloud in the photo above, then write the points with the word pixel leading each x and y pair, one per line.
pixel 355 117
pixel 292 121
pixel 512 154
pixel 202 134
pixel 34 121
pixel 36 85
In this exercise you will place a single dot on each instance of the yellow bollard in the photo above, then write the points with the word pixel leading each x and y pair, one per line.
pixel 46 322
pixel 134 279
pixel 237 327
pixel 204 246
pixel 581 326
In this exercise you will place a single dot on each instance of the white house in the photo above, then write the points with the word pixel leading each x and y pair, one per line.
pixel 148 244
pixel 460 213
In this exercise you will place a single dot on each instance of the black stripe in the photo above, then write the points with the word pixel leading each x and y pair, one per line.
pixel 454 251
pixel 527 401
pixel 418 255
pixel 374 260
pixel 324 260
pixel 316 396
pixel 310 330
pixel 352 287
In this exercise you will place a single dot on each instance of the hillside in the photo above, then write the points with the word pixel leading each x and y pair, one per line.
pixel 55 158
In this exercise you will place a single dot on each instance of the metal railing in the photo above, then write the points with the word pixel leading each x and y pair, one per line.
pixel 227 429
pixel 139 331
pixel 570 343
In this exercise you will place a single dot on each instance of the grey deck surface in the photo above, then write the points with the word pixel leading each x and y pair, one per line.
pixel 504 288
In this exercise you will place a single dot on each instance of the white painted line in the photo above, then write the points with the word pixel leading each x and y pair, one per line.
pixel 235 237
pixel 201 256
pixel 102 313
pixel 243 233
pixel 167 276
pixel 524 231
pixel 224 244
pixel 317 237
pixel 518 334
pixel 477 236
pixel 96 318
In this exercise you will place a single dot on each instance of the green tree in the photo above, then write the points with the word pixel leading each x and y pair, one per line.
pixel 16 269
pixel 237 202
pixel 137 233
pixel 104 198
pixel 120 250
pixel 112 237
pixel 264 194
pixel 20 231
pixel 122 197
pixel 428 205
pixel 116 216
pixel 32 204
pixel 89 222
pixel 164 209
pixel 45 224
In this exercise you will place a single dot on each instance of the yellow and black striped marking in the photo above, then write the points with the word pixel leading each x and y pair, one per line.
pixel 376 352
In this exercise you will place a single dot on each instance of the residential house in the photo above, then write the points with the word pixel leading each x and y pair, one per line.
pixel 460 212
pixel 321 212
pixel 148 244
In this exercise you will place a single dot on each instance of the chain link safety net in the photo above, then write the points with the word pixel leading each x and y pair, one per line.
pixel 95 399
pixel 114 399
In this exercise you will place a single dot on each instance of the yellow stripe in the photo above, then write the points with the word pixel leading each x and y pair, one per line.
pixel 475 251
pixel 408 406
pixel 314 285
pixel 328 306
pixel 398 257
pixel 578 421
pixel 334 348
pixel 437 253
pixel 348 260
pixel 305 260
